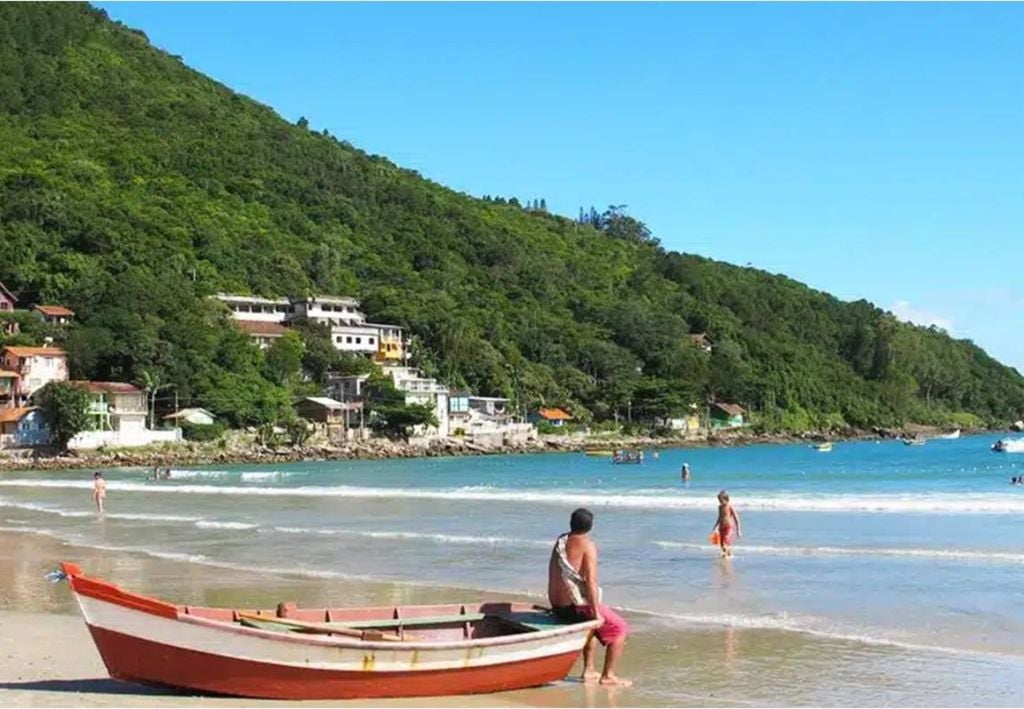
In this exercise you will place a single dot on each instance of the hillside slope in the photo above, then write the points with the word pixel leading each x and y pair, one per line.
pixel 131 187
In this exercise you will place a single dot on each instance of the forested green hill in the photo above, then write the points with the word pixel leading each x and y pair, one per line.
pixel 131 187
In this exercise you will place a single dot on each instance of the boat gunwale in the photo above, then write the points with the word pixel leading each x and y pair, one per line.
pixel 341 641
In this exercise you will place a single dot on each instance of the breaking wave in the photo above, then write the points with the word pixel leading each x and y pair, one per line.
pixel 667 499
pixel 415 536
pixel 994 557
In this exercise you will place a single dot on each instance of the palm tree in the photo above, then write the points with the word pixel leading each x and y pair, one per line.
pixel 151 383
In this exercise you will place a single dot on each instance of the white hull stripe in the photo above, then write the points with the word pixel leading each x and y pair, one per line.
pixel 257 648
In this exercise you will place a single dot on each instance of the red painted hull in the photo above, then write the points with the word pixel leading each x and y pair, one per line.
pixel 138 660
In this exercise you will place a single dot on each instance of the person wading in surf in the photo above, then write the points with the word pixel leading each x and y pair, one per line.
pixel 573 593
pixel 99 491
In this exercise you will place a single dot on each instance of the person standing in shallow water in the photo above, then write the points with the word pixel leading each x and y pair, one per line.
pixel 99 490
pixel 573 593
pixel 728 521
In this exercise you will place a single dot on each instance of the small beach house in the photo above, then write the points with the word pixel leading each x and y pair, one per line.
pixel 23 427
pixel 702 342
pixel 555 417
pixel 55 314
pixel 726 415
pixel 194 417
pixel 320 409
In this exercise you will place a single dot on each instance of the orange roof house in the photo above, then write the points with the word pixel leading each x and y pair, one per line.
pixel 35 367
pixel 23 426
pixel 15 414
pixel 554 416
pixel 22 352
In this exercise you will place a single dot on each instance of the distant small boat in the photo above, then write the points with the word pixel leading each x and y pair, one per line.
pixel 823 447
pixel 949 436
pixel 914 441
pixel 1009 445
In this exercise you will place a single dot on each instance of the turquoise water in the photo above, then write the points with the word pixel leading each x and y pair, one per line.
pixel 880 543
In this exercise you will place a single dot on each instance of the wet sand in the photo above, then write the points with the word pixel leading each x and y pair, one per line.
pixel 48 659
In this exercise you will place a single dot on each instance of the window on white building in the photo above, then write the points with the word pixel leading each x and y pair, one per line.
pixel 359 340
pixel 348 340
pixel 369 340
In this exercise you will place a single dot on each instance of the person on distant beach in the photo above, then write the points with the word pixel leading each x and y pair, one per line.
pixel 727 519
pixel 685 473
pixel 99 490
pixel 573 593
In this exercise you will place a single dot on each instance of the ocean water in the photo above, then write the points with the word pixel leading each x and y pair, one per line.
pixel 878 545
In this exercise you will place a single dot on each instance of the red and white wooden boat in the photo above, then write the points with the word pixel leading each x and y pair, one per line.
pixel 326 653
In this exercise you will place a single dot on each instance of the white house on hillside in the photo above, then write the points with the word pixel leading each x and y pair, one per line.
pixel 264 319
pixel 423 390
pixel 117 417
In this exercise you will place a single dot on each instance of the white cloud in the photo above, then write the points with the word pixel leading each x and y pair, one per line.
pixel 905 311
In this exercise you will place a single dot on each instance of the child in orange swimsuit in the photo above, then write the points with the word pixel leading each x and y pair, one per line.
pixel 727 517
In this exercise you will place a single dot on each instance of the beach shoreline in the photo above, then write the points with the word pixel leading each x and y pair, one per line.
pixel 191 454
pixel 675 661
pixel 55 663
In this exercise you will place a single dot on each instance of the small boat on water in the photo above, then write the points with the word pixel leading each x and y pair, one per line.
pixel 1009 445
pixel 949 436
pixel 914 441
pixel 599 454
pixel 326 653
pixel 627 458
pixel 825 447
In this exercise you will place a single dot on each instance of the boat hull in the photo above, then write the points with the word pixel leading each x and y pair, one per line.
pixel 134 659
pixel 148 641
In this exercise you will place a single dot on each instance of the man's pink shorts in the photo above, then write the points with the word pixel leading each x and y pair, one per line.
pixel 614 628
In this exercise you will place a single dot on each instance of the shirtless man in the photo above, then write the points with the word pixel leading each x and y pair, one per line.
pixel 727 518
pixel 573 592
pixel 99 491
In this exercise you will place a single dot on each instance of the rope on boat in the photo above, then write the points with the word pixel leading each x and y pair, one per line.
pixel 55 576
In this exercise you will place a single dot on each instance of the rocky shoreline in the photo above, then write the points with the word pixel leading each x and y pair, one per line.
pixel 241 451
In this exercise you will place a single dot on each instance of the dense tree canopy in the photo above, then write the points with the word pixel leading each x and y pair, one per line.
pixel 131 188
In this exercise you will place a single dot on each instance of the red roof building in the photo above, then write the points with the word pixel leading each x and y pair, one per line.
pixel 264 333
pixel 55 314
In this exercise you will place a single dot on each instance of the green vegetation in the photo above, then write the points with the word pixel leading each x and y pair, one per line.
pixel 131 188
pixel 64 407
pixel 389 414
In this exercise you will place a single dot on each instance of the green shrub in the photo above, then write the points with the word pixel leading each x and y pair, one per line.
pixel 202 434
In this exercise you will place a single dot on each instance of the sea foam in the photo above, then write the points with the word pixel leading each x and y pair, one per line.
pixel 667 499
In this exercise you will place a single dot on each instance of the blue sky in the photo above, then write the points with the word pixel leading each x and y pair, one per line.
pixel 872 151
